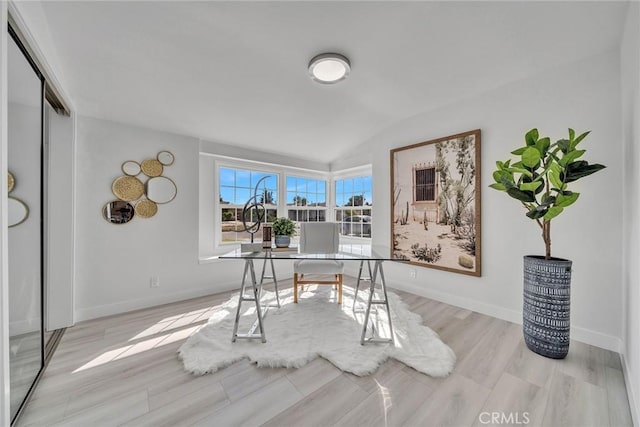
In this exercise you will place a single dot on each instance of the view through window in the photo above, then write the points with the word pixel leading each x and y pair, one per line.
pixel 303 199
pixel 306 199
pixel 354 199
pixel 237 186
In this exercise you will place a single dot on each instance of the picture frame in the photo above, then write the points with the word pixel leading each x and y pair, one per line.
pixel 435 203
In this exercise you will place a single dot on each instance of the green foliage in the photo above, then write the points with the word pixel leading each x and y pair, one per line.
pixel 284 227
pixel 539 178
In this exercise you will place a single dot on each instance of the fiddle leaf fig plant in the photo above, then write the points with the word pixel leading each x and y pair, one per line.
pixel 539 179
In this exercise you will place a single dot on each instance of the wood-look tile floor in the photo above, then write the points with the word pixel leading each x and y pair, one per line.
pixel 123 370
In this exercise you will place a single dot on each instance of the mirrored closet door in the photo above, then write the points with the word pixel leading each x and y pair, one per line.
pixel 25 154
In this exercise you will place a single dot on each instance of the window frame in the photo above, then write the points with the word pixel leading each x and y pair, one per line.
pixel 281 171
pixel 297 208
pixel 360 171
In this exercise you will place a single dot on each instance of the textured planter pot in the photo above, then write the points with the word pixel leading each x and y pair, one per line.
pixel 547 300
pixel 283 241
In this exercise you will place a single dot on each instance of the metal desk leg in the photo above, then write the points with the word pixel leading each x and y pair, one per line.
pixel 273 275
pixel 249 268
pixel 385 302
pixel 360 278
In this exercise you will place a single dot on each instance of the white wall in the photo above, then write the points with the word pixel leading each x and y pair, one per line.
pixel 584 96
pixel 114 263
pixel 630 74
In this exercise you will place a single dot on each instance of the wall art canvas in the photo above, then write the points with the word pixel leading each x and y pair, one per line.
pixel 435 203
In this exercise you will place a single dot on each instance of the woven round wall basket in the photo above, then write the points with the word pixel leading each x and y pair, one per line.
pixel 127 188
pixel 546 308
pixel 151 167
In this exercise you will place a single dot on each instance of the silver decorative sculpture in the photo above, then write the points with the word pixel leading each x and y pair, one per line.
pixel 252 226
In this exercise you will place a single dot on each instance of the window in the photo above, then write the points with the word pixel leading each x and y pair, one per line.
pixel 425 180
pixel 236 187
pixel 306 199
pixel 354 199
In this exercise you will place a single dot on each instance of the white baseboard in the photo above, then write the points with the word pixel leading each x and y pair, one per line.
pixel 20 327
pixel 458 301
pixel 634 405
pixel 95 312
pixel 586 336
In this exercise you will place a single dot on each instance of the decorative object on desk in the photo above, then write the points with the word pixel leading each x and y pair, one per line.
pixel 11 182
pixel 118 212
pixel 156 190
pixel 266 236
pixel 539 180
pixel 253 212
pixel 316 326
pixel 435 203
pixel 17 211
pixel 283 229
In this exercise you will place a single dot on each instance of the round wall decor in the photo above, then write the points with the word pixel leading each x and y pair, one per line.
pixel 118 212
pixel 151 167
pixel 127 188
pixel 131 168
pixel 11 182
pixel 161 190
pixel 166 158
pixel 146 208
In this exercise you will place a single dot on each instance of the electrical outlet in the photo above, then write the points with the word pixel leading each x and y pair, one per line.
pixel 155 282
pixel 413 273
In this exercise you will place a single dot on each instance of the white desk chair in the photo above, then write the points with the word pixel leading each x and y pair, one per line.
pixel 318 238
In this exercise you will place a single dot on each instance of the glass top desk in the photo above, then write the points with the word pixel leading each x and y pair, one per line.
pixel 349 252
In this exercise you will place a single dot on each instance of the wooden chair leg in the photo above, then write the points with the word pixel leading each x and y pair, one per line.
pixel 295 288
pixel 339 288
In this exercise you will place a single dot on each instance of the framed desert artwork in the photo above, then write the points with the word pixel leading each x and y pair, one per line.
pixel 435 203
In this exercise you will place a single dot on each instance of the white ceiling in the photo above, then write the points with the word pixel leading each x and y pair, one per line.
pixel 236 72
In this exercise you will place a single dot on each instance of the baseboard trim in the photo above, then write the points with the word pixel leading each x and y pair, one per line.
pixel 89 313
pixel 586 336
pixel 466 303
pixel 20 327
pixel 628 381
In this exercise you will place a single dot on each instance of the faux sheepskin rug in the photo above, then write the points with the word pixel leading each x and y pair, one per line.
pixel 317 327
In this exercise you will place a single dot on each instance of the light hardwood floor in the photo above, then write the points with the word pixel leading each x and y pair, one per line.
pixel 123 370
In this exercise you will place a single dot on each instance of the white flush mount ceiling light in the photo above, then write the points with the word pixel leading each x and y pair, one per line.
pixel 328 68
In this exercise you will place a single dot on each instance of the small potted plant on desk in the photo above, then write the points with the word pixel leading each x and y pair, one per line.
pixel 283 229
pixel 539 180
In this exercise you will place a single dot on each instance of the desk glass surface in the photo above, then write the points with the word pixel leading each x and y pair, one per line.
pixel 353 252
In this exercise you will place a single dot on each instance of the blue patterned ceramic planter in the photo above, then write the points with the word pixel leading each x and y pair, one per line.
pixel 283 241
pixel 547 299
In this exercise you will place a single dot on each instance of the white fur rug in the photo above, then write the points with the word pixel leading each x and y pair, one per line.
pixel 316 326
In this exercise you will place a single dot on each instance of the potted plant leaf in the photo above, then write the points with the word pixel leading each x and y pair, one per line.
pixel 283 229
pixel 540 181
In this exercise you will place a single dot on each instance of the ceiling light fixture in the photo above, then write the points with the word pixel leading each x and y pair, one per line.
pixel 329 68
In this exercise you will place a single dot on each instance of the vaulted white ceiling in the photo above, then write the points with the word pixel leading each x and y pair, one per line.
pixel 236 72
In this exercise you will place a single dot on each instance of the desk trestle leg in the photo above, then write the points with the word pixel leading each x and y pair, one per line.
pixel 267 256
pixel 249 269
pixel 385 301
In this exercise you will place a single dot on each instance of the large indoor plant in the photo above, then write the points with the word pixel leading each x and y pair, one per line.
pixel 283 229
pixel 539 180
